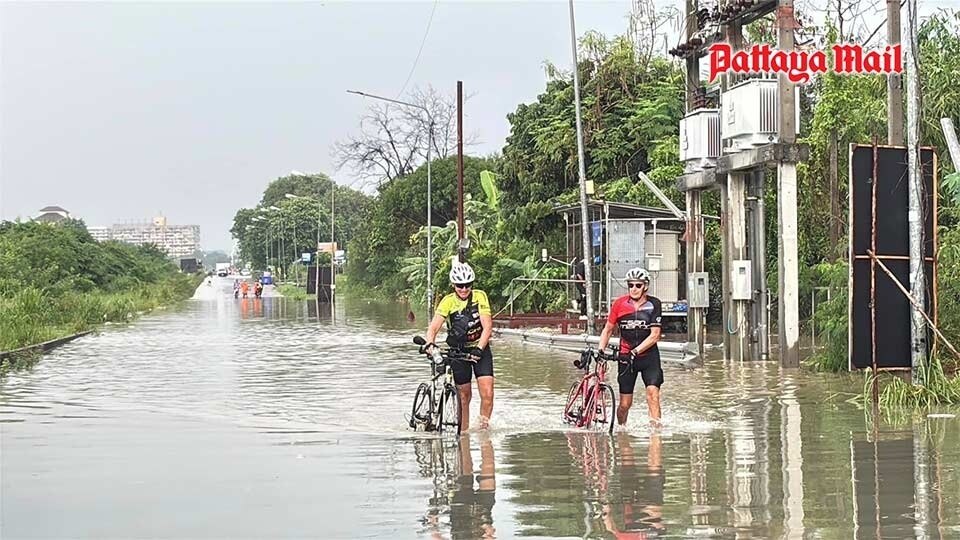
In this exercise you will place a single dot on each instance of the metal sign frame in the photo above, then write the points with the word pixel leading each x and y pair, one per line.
pixel 885 185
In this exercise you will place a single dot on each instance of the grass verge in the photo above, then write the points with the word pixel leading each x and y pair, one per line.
pixel 293 292
pixel 935 388
pixel 32 315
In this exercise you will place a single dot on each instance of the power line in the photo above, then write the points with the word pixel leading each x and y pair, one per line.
pixel 422 43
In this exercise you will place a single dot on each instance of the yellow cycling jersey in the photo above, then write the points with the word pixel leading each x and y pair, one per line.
pixel 452 303
pixel 463 317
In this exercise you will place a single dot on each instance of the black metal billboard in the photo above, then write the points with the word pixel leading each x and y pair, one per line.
pixel 324 295
pixel 879 332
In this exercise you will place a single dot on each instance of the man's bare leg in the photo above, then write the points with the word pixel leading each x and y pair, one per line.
pixel 465 394
pixel 626 401
pixel 653 404
pixel 485 386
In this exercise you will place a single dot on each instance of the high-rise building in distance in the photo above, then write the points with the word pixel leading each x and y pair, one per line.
pixel 176 240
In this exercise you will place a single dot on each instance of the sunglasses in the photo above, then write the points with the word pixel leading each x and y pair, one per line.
pixel 463 285
pixel 636 285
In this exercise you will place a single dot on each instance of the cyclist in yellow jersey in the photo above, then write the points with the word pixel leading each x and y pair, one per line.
pixel 469 327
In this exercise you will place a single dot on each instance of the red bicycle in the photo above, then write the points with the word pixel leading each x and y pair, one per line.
pixel 591 402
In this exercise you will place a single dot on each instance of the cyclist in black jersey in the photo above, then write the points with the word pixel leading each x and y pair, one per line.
pixel 637 316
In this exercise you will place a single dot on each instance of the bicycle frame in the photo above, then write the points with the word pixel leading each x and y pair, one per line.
pixel 586 396
pixel 441 383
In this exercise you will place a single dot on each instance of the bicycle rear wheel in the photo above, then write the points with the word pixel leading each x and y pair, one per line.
pixel 451 408
pixel 422 407
pixel 573 411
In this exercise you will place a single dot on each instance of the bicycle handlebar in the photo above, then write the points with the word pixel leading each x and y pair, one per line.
pixel 438 355
pixel 591 355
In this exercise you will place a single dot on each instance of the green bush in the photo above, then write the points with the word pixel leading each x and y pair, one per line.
pixel 58 281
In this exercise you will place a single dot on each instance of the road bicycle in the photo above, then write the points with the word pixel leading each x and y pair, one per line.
pixel 591 403
pixel 436 404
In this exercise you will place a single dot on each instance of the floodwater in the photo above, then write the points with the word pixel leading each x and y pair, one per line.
pixel 270 419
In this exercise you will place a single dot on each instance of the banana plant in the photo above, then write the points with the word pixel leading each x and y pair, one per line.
pixel 533 295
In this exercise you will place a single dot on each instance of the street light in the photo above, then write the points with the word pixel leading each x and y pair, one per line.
pixel 429 189
pixel 317 274
pixel 266 241
pixel 584 226
pixel 280 266
pixel 333 221
pixel 263 217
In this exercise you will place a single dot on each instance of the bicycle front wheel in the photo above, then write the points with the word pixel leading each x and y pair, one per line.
pixel 604 409
pixel 422 407
pixel 451 409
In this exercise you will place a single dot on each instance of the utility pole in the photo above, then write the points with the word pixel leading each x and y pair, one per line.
pixel 918 330
pixel 316 255
pixel 584 218
pixel 333 249
pixel 738 329
pixel 696 317
pixel 953 145
pixel 429 223
pixel 788 299
pixel 834 182
pixel 280 256
pixel 461 227
pixel 894 88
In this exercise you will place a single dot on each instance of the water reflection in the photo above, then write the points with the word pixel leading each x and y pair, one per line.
pixel 638 512
pixel 463 496
pixel 284 403
pixel 883 486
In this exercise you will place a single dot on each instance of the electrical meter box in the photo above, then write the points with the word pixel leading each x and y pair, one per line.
pixel 741 282
pixel 698 287
pixel 653 261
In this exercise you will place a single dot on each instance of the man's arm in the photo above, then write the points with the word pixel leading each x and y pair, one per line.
pixel 654 336
pixel 434 327
pixel 486 321
pixel 651 340
pixel 605 335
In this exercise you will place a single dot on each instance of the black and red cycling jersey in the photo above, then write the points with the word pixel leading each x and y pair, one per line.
pixel 635 320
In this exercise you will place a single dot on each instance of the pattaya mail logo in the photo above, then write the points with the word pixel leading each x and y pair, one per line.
pixel 799 66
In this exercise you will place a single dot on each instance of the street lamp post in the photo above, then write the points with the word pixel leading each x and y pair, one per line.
pixel 319 211
pixel 266 242
pixel 280 268
pixel 264 212
pixel 584 226
pixel 429 191
pixel 333 249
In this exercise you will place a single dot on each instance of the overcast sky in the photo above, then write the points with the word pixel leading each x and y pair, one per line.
pixel 122 111
pixel 125 111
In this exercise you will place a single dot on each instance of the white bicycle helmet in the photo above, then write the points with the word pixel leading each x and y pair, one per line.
pixel 637 274
pixel 461 273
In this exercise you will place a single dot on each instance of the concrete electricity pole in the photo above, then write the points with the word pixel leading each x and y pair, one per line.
pixel 894 88
pixel 918 330
pixel 788 260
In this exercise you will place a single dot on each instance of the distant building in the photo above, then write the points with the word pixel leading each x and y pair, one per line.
pixel 176 240
pixel 52 214
pixel 100 234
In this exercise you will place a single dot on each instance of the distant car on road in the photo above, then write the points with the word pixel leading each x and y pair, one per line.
pixel 223 269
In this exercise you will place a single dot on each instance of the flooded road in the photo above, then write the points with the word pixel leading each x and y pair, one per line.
pixel 268 419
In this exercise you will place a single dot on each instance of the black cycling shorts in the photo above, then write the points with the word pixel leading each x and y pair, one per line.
pixel 646 365
pixel 481 368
